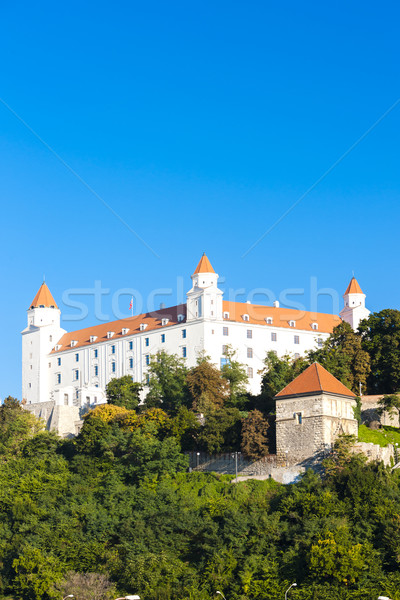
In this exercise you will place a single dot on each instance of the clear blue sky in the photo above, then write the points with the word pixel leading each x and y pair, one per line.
pixel 200 124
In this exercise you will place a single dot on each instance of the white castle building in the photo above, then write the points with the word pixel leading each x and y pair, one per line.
pixel 72 369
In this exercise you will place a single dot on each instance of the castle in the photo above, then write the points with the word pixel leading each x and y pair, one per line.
pixel 71 369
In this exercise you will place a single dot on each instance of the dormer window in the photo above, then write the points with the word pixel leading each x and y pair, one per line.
pixel 245 317
pixel 73 343
pixel 164 322
pixel 226 315
pixel 292 323
pixel 57 346
pixel 180 318
pixel 268 320
pixel 125 330
pixel 41 305
pixel 142 326
pixel 314 326
pixel 110 334
pixel 93 338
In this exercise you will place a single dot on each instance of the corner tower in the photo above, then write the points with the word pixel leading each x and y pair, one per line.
pixel 38 339
pixel 204 299
pixel 354 309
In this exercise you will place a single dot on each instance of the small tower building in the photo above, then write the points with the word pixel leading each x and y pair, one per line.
pixel 204 299
pixel 310 414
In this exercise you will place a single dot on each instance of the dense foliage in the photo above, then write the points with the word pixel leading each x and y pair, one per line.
pixel 115 511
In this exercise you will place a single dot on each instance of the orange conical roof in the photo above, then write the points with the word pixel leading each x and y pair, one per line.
pixel 353 287
pixel 313 380
pixel 43 298
pixel 204 265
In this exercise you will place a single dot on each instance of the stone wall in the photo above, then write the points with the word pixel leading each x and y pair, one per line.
pixel 65 420
pixel 369 412
pixel 374 452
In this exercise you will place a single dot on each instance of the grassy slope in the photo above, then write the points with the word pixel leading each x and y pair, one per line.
pixel 383 437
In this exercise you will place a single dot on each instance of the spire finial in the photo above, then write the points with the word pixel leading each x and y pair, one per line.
pixel 44 278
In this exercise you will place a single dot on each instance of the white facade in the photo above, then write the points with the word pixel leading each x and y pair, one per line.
pixel 354 310
pixel 74 368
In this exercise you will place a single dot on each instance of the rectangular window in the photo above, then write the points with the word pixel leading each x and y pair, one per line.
pixel 296 355
pixel 130 345
pixel 58 377
pixel 224 361
pixel 250 372
pixel 76 357
pixel 96 353
pixel 224 349
pixel 296 339
pixel 147 359
pixel 163 338
pixel 299 418
pixel 184 333
pixel 146 341
pixel 76 374
pixel 225 331
pixel 184 351
pixel 59 361
pixel 249 352
pixel 320 342
pixel 131 363
pixel 249 334
pixel 273 336
pixel 113 367
pixel 112 349
pixel 96 370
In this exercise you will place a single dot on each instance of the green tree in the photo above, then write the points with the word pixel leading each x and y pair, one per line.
pixel 343 356
pixel 381 339
pixel 167 383
pixel 36 573
pixel 17 425
pixel 123 391
pixel 221 430
pixel 390 404
pixel 254 435
pixel 235 374
pixel 278 372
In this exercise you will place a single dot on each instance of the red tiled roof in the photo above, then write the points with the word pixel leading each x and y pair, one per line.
pixel 353 287
pixel 204 266
pixel 43 298
pixel 153 321
pixel 313 380
pixel 281 317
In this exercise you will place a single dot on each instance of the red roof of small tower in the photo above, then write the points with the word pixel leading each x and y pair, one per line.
pixel 315 379
pixel 204 265
pixel 43 298
pixel 353 287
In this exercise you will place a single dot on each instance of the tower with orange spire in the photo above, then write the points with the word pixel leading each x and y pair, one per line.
pixel 38 339
pixel 354 310
pixel 204 299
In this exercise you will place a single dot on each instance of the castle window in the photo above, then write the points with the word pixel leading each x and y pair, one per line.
pixel 298 416
pixel 58 377
pixel 320 342
pixel 296 339
pixel 180 318
pixel 268 320
pixel 130 345
pixel 164 322
pixel 273 336
pixel 142 326
pixel 93 338
pixel 184 351
pixel 30 385
pixel 96 353
pixel 184 333
pixel 314 326
pixel 125 331
pixel 112 349
pixel 96 370
pixel 250 372
pixel 292 323
pixel 225 331
pixel 224 349
pixel 245 317
pixel 110 334
pixel 113 367
pixel 131 363
pixel 59 361
pixel 297 355
pixel 76 374
pixel 51 338
pixel 147 359
pixel 163 338
pixel 76 357
pixel 249 352
pixel 73 343
pixel 226 315
pixel 49 365
pixel 146 341
pixel 57 347
pixel 249 334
